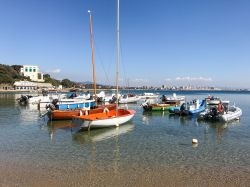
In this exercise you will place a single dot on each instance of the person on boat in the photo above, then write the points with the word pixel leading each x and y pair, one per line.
pixel 220 108
pixel 73 95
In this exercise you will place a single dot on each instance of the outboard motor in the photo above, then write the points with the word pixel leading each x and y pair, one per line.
pixel 24 99
pixel 146 106
pixel 183 107
pixel 183 110
pixel 99 99
pixel 113 100
pixel 91 97
pixel 44 92
pixel 52 106
pixel 213 114
pixel 55 101
pixel 163 98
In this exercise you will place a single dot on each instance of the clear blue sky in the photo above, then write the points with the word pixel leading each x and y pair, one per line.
pixel 196 42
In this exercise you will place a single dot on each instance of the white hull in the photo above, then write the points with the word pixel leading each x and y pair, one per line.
pixel 175 98
pixel 148 96
pixel 102 123
pixel 232 114
pixel 129 100
pixel 213 102
pixel 38 99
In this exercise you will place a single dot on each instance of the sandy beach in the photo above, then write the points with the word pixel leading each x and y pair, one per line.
pixel 28 174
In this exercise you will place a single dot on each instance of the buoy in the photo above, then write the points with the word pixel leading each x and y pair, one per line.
pixel 194 141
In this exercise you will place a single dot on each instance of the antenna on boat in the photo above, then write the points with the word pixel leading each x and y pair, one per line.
pixel 92 48
pixel 118 53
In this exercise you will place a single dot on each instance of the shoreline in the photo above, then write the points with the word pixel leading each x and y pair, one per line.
pixel 146 90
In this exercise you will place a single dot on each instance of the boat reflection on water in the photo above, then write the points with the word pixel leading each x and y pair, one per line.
pixel 147 116
pixel 97 135
pixel 219 127
pixel 66 125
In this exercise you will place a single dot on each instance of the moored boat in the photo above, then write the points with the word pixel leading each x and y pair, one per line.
pixel 147 95
pixel 68 114
pixel 221 112
pixel 159 106
pixel 128 98
pixel 71 105
pixel 173 98
pixel 191 108
pixel 108 118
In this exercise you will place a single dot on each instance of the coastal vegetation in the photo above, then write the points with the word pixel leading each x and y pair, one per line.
pixel 9 74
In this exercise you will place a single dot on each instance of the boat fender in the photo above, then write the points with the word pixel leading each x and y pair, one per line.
pixel 81 113
pixel 105 110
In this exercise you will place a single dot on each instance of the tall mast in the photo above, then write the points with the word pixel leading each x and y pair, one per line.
pixel 92 47
pixel 118 51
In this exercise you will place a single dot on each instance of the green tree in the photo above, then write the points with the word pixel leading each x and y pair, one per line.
pixel 67 83
pixel 48 79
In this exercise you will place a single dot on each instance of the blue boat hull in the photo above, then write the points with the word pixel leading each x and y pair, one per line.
pixel 75 105
pixel 192 112
pixel 200 109
pixel 177 110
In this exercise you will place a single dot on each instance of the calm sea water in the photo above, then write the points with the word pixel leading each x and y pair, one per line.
pixel 34 152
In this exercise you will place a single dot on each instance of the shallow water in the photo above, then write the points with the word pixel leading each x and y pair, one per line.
pixel 152 149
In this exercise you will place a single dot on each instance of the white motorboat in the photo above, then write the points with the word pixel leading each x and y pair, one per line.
pixel 210 100
pixel 148 96
pixel 174 97
pixel 111 98
pixel 129 98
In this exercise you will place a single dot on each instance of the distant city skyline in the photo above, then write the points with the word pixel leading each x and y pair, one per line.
pixel 197 43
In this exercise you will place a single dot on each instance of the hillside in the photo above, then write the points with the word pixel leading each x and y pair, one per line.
pixel 8 74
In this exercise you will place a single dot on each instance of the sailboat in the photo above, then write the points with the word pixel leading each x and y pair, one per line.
pixel 109 118
pixel 65 113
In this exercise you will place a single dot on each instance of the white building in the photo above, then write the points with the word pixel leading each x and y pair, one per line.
pixel 27 85
pixel 32 72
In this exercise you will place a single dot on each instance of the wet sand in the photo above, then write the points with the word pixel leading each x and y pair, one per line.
pixel 20 174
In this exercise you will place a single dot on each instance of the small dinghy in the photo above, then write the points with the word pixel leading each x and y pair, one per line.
pixel 147 106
